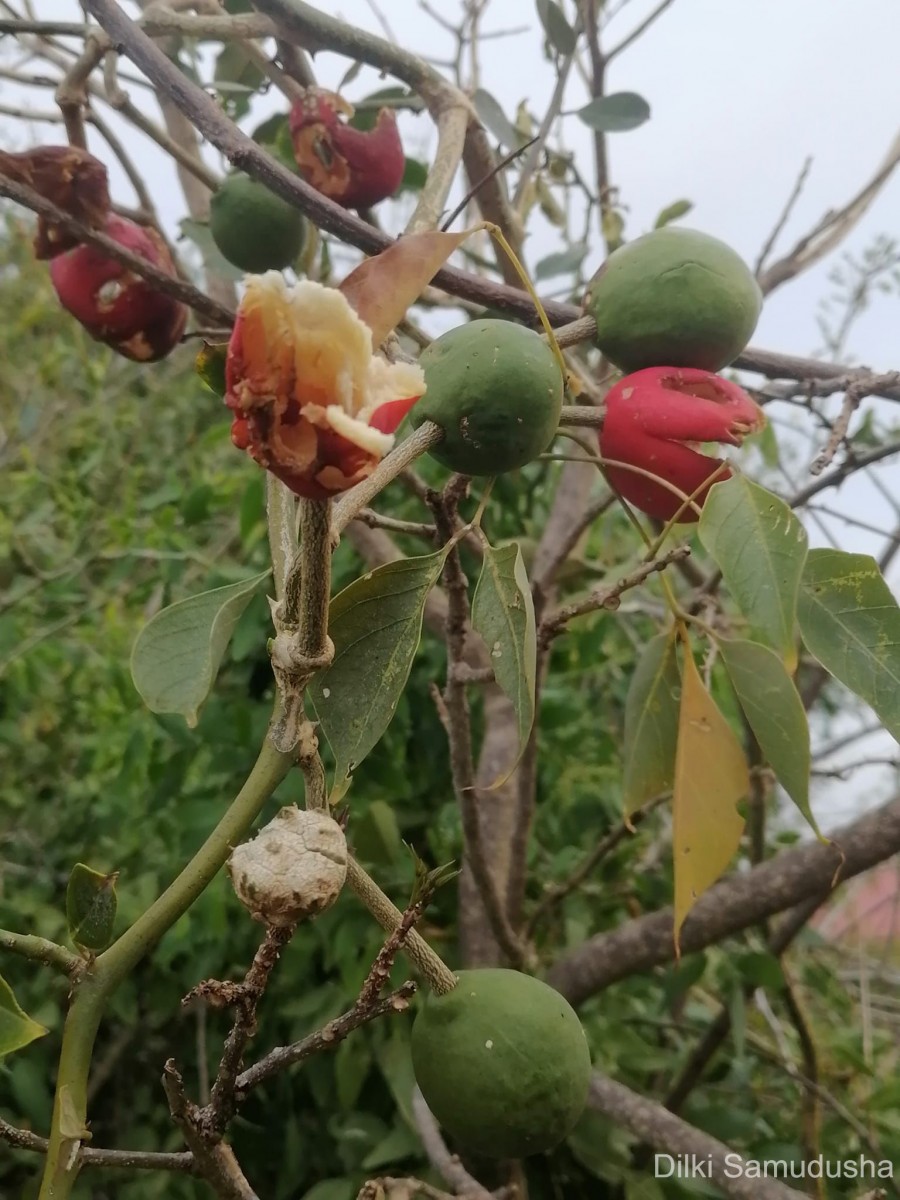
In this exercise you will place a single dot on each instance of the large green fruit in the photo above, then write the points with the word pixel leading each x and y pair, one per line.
pixel 674 298
pixel 496 390
pixel 502 1062
pixel 253 228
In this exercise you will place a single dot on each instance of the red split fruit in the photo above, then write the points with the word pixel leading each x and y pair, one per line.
pixel 115 305
pixel 655 420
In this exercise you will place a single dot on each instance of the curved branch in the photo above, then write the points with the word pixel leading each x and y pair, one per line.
pixel 734 904
pixel 659 1128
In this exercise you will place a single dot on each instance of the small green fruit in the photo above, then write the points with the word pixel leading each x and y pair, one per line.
pixel 253 228
pixel 674 298
pixel 502 1062
pixel 496 390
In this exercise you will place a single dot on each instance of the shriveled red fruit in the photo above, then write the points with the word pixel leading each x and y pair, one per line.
pixel 654 420
pixel 113 304
pixel 353 167
pixel 70 178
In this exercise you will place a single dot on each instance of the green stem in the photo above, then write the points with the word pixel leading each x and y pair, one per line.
pixel 94 989
pixel 40 950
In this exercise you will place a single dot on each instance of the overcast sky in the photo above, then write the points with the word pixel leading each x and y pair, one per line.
pixel 741 92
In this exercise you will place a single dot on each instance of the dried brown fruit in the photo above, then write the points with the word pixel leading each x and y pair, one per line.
pixel 70 178
pixel 115 305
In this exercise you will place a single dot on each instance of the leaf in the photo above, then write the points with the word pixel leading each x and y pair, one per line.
pixel 375 625
pixel 177 654
pixel 760 547
pixel 91 904
pixel 495 119
pixel 503 614
pixel 210 366
pixel 236 77
pixel 711 776
pixel 382 288
pixel 651 723
pixel 850 621
pixel 16 1028
pixel 562 262
pixel 415 174
pixel 775 713
pixel 560 34
pixel 616 113
pixel 198 233
pixel 673 212
pixel 376 834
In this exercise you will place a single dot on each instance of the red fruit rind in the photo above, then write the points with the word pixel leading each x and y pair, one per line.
pixel 654 420
pixel 312 403
pixel 353 167
pixel 69 177
pixel 115 305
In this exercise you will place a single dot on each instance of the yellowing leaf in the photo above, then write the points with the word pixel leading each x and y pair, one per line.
pixel 711 776
pixel 382 288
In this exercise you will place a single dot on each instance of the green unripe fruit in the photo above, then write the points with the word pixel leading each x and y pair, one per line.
pixel 496 391
pixel 253 228
pixel 502 1062
pixel 674 298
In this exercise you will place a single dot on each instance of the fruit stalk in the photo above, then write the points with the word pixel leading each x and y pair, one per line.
pixel 434 970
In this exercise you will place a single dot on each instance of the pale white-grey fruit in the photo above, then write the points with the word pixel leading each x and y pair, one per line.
pixel 294 868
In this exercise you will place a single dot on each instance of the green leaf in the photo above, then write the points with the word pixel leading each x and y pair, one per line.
pixel 91 904
pixel 775 713
pixel 375 625
pixel 616 113
pixel 16 1028
pixel 560 34
pixel 495 119
pixel 210 366
pixel 376 834
pixel 673 212
pixel 237 77
pixel 760 547
pixel 651 723
pixel 331 1189
pixel 503 614
pixel 851 623
pixel 414 175
pixel 178 652
pixel 562 262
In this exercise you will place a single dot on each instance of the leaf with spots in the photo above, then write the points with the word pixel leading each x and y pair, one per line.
pixel 375 624
pixel 91 904
pixel 651 723
pixel 850 621
pixel 711 777
pixel 503 613
pixel 760 547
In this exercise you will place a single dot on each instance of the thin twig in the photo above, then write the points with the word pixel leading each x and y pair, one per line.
pixel 447 1164
pixel 353 502
pixel 783 218
pixel 326 1038
pixel 606 597
pixel 96 1156
pixel 852 399
pixel 178 288
pixel 638 30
